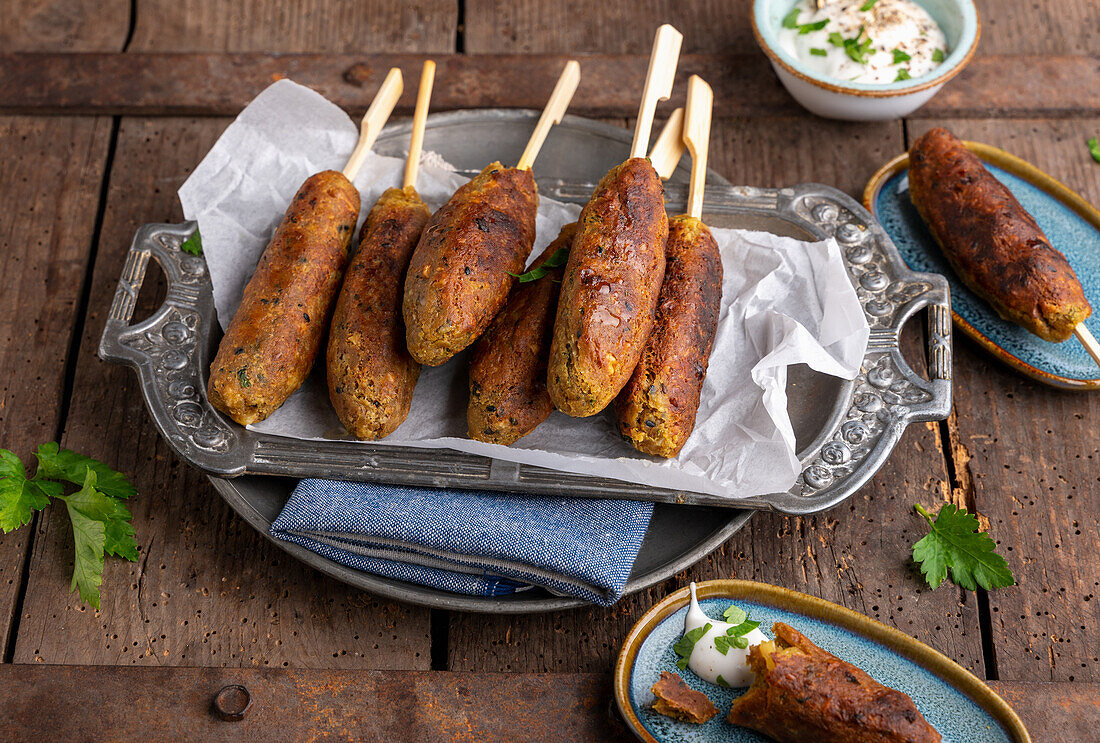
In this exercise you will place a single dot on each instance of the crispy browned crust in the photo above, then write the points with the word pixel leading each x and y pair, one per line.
pixel 276 334
pixel 459 276
pixel 508 396
pixel 678 700
pixel 811 695
pixel 371 375
pixel 656 410
pixel 609 291
pixel 994 245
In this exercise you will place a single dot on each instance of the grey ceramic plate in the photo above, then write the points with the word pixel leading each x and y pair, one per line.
pixel 844 430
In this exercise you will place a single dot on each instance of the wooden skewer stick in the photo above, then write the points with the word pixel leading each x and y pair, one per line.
pixel 555 108
pixel 658 83
pixel 700 98
pixel 669 147
pixel 375 118
pixel 1088 340
pixel 420 118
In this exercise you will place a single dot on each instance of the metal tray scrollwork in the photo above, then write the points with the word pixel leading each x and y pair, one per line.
pixel 847 429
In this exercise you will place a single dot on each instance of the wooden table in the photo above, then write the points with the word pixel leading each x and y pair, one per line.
pixel 106 105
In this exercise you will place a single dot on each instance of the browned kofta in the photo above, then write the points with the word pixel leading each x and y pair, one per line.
pixel 508 396
pixel 461 271
pixel 657 408
pixel 371 375
pixel 609 291
pixel 276 333
pixel 991 241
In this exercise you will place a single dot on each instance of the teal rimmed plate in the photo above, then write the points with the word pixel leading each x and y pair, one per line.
pixel 958 705
pixel 1071 224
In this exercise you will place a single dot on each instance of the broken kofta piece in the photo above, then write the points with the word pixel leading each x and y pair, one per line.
pixel 803 693
pixel 679 701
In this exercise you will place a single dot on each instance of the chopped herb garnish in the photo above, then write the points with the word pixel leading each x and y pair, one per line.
pixel 686 644
pixel 854 48
pixel 193 244
pixel 734 637
pixel 900 56
pixel 735 614
pixel 903 74
pixel 1094 149
pixel 556 260
pixel 806 28
pixel 723 643
pixel 955 542
pixel 819 52
pixel 791 19
pixel 836 39
pixel 868 5
pixel 242 377
pixel 937 55
pixel 722 682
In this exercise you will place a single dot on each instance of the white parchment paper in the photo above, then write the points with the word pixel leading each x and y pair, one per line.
pixel 784 302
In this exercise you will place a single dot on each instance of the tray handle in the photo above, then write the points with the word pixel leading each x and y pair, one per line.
pixel 168 349
pixel 938 386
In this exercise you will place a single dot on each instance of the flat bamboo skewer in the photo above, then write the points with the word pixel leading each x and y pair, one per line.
pixel 700 99
pixel 555 108
pixel 669 147
pixel 658 83
pixel 1088 340
pixel 420 118
pixel 375 118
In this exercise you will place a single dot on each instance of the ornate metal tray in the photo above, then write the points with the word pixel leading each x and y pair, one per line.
pixel 844 429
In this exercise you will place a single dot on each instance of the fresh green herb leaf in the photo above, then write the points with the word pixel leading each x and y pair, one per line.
pixel 955 543
pixel 556 260
pixel 806 28
pixel 722 643
pixel 903 74
pixel 900 56
pixel 937 55
pixel 817 52
pixel 722 682
pixel 242 377
pixel 101 523
pixel 868 5
pixel 791 19
pixel 193 244
pixel 854 48
pixel 686 644
pixel 836 39
pixel 743 629
pixel 1094 148
pixel 55 463
pixel 735 614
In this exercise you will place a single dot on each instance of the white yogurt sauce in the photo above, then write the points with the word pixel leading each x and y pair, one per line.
pixel 892 40
pixel 706 661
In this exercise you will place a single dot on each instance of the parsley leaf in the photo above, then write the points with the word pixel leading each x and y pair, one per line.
pixel 955 543
pixel 193 244
pixel 89 538
pixel 20 497
pixel 1094 149
pixel 55 463
pixel 743 629
pixel 722 682
pixel 937 55
pixel 686 644
pixel 854 48
pixel 900 56
pixel 868 5
pixel 836 39
pixel 557 259
pixel 722 643
pixel 817 52
pixel 903 74
pixel 791 19
pixel 735 614
pixel 806 28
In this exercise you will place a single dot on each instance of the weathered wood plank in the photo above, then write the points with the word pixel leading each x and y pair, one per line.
pixel 50 182
pixel 155 83
pixel 1029 455
pixel 208 590
pixel 169 704
pixel 64 25
pixel 856 555
pixel 316 26
pixel 1030 27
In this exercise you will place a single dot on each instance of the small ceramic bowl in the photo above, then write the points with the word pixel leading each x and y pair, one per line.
pixel 837 99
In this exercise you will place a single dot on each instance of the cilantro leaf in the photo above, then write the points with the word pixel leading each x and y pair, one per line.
pixel 722 643
pixel 868 5
pixel 55 463
pixel 193 244
pixel 743 629
pixel 1094 148
pixel 791 19
pixel 937 55
pixel 557 259
pixel 722 682
pixel 806 28
pixel 903 74
pixel 900 56
pixel 20 497
pixel 954 543
pixel 686 644
pixel 735 614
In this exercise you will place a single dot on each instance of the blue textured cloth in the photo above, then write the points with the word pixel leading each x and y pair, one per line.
pixel 472 542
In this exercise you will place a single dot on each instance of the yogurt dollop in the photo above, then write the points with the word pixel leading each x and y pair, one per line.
pixel 706 661
pixel 864 41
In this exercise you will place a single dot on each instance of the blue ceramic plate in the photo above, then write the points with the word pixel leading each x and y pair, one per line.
pixel 1072 226
pixel 959 706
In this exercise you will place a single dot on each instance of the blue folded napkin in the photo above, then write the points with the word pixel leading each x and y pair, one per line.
pixel 473 542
